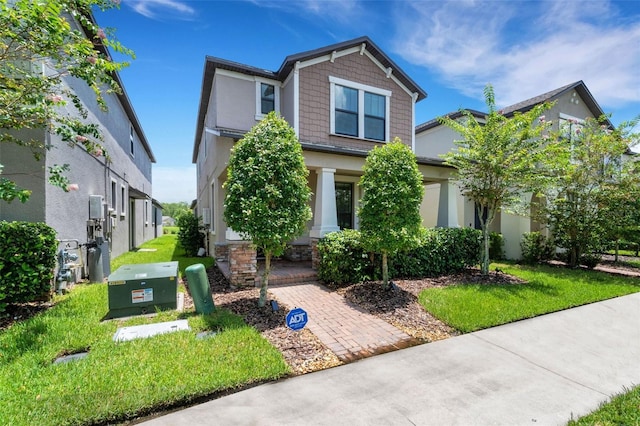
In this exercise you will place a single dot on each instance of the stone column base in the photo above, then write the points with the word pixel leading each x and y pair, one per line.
pixel 315 257
pixel 243 263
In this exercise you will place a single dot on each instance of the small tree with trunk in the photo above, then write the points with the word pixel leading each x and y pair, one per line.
pixel 596 191
pixel 389 213
pixel 267 196
pixel 498 160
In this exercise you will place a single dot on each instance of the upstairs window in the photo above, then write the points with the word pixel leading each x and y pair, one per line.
pixel 131 140
pixel 267 98
pixel 346 111
pixel 359 110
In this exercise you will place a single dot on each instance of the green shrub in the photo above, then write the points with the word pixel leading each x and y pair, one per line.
pixel 27 261
pixel 191 233
pixel 536 248
pixel 496 246
pixel 442 251
pixel 343 260
pixel 590 260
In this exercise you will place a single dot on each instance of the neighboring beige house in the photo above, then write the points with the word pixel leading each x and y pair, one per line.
pixel 341 100
pixel 572 102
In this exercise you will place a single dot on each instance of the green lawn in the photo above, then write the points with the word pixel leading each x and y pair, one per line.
pixel 470 307
pixel 163 249
pixel 118 381
pixel 623 409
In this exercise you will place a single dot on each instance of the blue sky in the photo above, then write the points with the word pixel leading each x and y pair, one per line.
pixel 452 49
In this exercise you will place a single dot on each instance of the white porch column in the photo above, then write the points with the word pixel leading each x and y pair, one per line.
pixel 325 215
pixel 448 206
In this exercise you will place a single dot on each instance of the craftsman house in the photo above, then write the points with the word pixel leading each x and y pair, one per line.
pixel 112 203
pixel 572 102
pixel 341 100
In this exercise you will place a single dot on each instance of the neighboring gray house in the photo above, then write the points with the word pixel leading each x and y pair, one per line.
pixel 572 102
pixel 115 195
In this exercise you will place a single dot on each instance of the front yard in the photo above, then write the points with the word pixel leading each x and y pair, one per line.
pixel 120 381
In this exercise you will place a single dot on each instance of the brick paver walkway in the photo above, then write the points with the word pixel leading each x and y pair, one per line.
pixel 348 331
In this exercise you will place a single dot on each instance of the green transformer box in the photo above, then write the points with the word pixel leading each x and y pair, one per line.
pixel 143 288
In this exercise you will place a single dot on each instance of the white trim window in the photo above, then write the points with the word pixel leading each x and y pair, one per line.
pixel 131 141
pixel 267 98
pixel 123 205
pixel 358 110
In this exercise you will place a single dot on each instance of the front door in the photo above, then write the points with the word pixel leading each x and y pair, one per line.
pixel 344 204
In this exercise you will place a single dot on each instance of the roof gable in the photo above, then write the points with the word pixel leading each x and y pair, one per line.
pixel 289 64
pixel 528 104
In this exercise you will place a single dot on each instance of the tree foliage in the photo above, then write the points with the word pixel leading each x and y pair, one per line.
pixel 191 233
pixel 42 43
pixel 597 190
pixel 389 212
pixel 267 197
pixel 175 210
pixel 497 160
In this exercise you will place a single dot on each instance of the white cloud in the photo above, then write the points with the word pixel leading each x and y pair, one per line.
pixel 330 10
pixel 155 9
pixel 525 49
pixel 174 184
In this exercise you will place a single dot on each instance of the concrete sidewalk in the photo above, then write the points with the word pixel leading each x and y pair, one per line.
pixel 539 371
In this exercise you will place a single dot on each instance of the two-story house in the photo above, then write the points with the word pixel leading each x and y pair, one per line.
pixel 113 202
pixel 341 100
pixel 573 102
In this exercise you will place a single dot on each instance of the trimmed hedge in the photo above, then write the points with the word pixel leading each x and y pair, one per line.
pixel 27 261
pixel 443 251
pixel 343 260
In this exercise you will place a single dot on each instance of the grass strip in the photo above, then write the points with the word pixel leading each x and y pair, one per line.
pixel 470 307
pixel 622 409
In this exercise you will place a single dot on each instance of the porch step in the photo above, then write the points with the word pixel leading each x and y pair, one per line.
pixel 283 272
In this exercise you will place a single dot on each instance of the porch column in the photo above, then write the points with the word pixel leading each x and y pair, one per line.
pixel 325 215
pixel 448 206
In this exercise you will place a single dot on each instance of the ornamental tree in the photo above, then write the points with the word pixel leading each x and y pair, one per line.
pixel 267 197
pixel 43 42
pixel 596 193
pixel 498 160
pixel 389 211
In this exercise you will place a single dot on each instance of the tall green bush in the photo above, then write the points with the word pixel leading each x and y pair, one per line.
pixel 536 248
pixel 27 261
pixel 390 207
pixel 191 233
pixel 496 246
pixel 267 197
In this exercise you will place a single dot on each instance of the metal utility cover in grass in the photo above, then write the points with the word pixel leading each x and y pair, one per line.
pixel 124 334
pixel 140 289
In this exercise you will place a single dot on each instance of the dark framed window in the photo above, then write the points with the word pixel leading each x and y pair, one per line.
pixel 267 98
pixel 346 110
pixel 131 151
pixel 374 116
pixel 344 204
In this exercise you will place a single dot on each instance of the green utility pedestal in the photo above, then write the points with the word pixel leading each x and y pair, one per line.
pixel 143 288
pixel 199 288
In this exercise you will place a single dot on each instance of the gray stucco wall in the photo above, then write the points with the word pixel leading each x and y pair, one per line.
pixel 68 212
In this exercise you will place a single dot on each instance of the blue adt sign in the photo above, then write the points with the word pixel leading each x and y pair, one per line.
pixel 297 319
